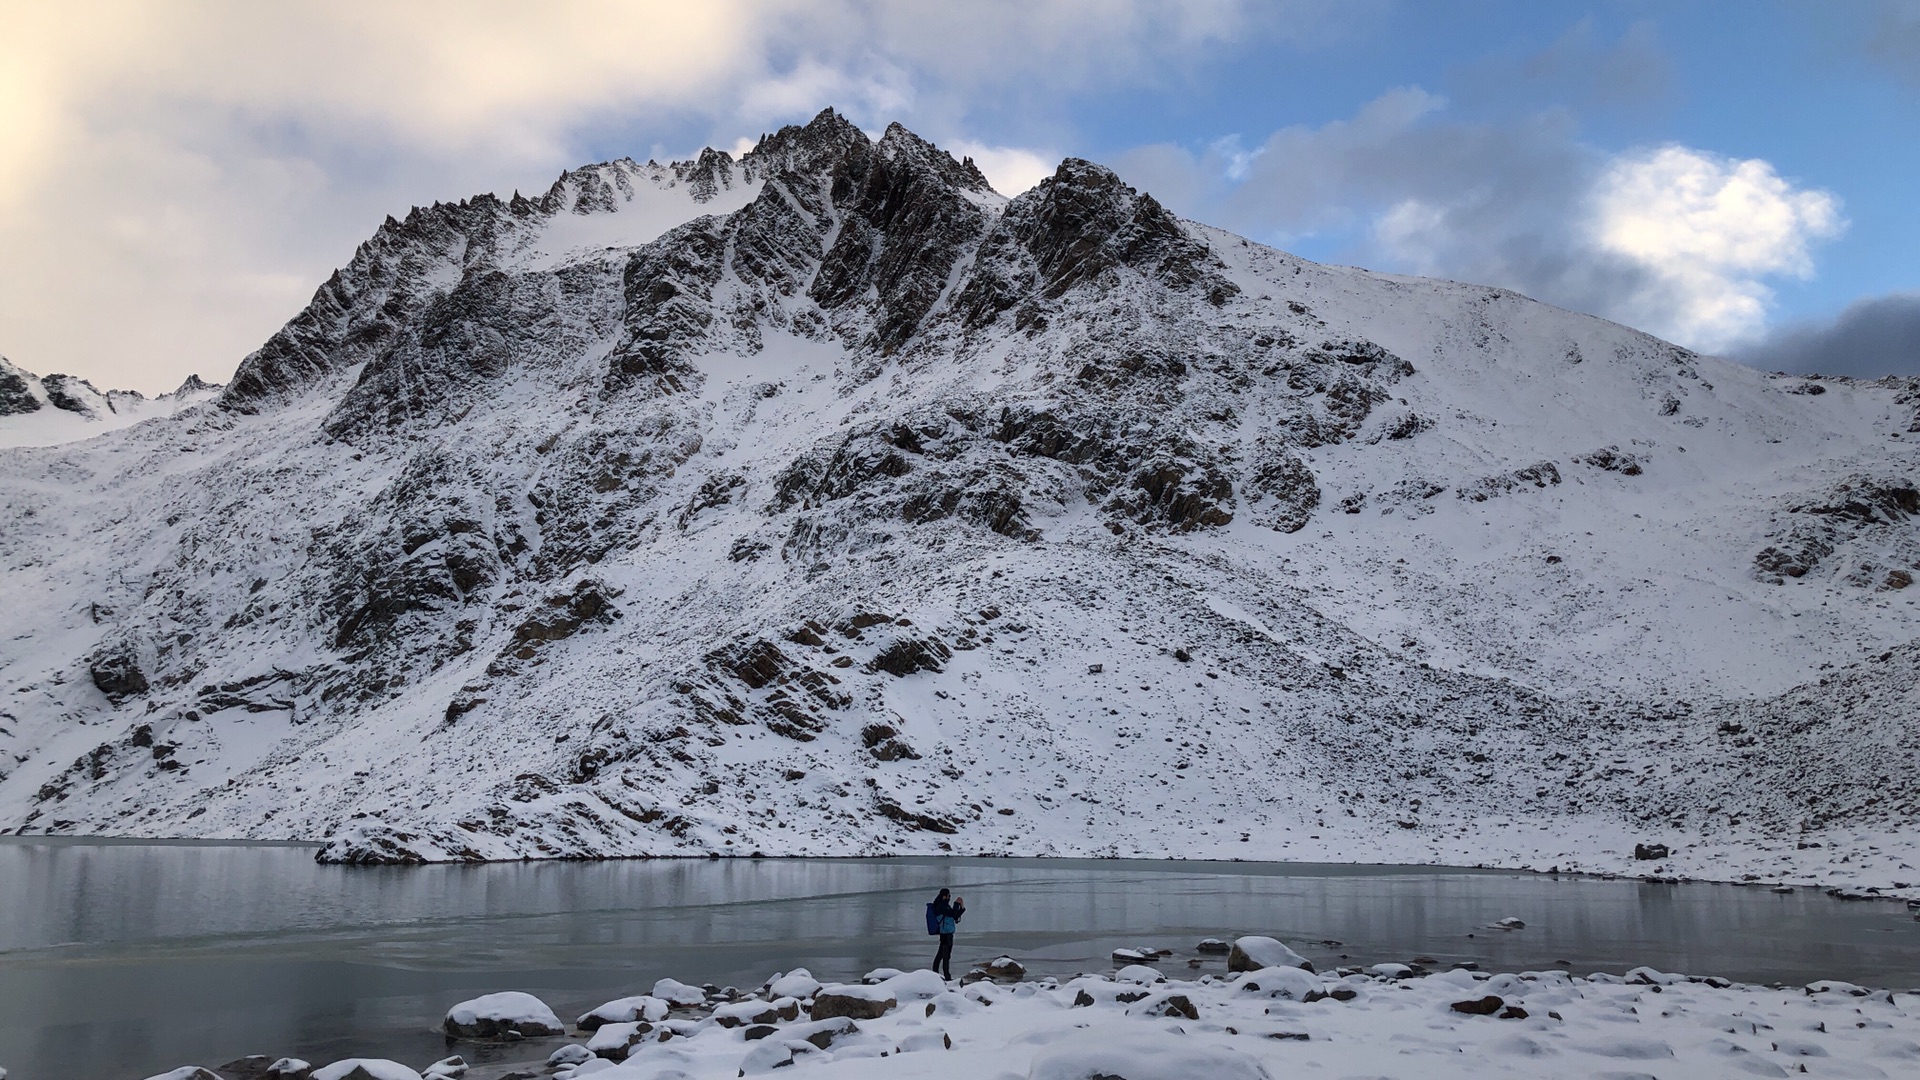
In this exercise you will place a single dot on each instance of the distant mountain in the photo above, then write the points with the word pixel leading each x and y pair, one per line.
pixel 824 501
pixel 46 411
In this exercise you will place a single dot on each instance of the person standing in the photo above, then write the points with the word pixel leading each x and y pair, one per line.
pixel 943 918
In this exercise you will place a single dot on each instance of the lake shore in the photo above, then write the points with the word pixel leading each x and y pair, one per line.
pixel 1161 1022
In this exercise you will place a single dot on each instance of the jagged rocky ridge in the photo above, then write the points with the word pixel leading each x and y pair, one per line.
pixel 825 501
pixel 51 409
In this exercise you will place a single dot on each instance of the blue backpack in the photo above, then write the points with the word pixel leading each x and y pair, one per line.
pixel 933 922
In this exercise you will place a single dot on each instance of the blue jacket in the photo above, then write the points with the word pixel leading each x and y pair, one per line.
pixel 946 916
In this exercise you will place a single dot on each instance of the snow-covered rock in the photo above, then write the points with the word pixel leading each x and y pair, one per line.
pixel 185 1072
pixel 1253 953
pixel 617 1040
pixel 912 986
pixel 678 993
pixel 826 465
pixel 365 1069
pixel 493 1015
pixel 570 1054
pixel 798 983
pixel 854 1001
pixel 624 1010
pixel 1281 981
pixel 754 1011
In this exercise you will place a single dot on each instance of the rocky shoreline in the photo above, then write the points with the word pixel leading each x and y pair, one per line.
pixel 1251 1008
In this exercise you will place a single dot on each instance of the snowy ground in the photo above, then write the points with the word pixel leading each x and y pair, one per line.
pixel 1142 1023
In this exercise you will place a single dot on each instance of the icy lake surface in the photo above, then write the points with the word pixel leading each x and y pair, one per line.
pixel 123 959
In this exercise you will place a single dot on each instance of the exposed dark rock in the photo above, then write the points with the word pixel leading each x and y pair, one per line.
pixel 904 656
pixel 1485 1006
pixel 1174 1006
pixel 589 604
pixel 1612 459
pixel 828 1004
pixel 913 819
pixel 1538 475
pixel 1651 852
pixel 116 669
pixel 1281 489
pixel 16 396
pixel 70 394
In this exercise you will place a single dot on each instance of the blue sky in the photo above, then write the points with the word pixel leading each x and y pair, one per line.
pixel 175 180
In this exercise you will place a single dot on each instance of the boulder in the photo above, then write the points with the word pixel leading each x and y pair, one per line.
pixel 187 1072
pixel 625 1010
pixel 1213 945
pixel 853 1002
pixel 1172 1006
pixel 822 1033
pixel 615 1041
pixel 1139 973
pixel 570 1054
pixel 798 983
pixel 1288 982
pixel 447 1068
pixel 754 1011
pixel 678 993
pixel 1254 953
pixel 914 986
pixel 1651 852
pixel 1004 967
pixel 366 1069
pixel 493 1016
pixel 1485 1006
pixel 771 1054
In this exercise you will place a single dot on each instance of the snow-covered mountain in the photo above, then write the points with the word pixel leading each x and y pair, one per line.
pixel 46 411
pixel 824 501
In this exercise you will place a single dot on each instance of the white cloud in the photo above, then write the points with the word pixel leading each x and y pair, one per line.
pixel 1708 230
pixel 1010 169
pixel 1676 240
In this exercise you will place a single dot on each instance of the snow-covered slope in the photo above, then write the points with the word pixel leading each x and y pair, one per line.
pixel 37 411
pixel 825 502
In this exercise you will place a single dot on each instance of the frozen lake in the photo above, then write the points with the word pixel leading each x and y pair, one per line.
pixel 122 959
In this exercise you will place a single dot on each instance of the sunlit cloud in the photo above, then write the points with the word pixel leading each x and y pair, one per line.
pixel 1709 231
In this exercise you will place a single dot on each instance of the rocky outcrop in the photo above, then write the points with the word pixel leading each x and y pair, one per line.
pixel 1281 489
pixel 16 394
pixel 1861 527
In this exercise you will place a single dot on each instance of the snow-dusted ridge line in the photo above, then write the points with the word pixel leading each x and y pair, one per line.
pixel 47 410
pixel 835 506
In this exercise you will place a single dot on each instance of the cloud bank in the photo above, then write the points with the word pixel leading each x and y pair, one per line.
pixel 1869 339
pixel 1672 239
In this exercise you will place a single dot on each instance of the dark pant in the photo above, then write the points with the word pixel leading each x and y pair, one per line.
pixel 943 960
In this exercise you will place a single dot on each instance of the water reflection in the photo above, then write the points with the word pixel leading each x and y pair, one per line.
pixel 117 960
